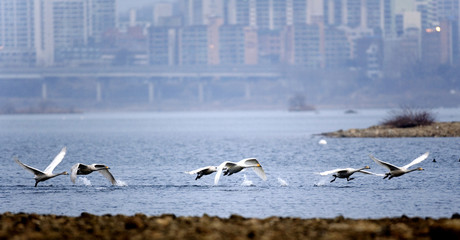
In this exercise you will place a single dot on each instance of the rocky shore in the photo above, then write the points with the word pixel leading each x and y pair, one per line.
pixel 139 226
pixel 438 129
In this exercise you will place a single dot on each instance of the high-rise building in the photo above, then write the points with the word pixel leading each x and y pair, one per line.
pixel 163 46
pixel 42 32
pixel 102 17
pixel 199 12
pixel 18 31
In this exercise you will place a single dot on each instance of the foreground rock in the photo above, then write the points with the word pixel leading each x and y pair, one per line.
pixel 139 226
pixel 438 129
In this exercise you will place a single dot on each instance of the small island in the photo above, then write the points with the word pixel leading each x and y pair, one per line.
pixel 406 122
pixel 437 129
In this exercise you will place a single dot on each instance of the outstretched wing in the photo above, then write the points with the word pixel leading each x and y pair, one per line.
pixel 108 175
pixel 371 173
pixel 384 164
pixel 249 162
pixel 73 172
pixel 56 161
pixel 28 168
pixel 260 172
pixel 198 170
pixel 417 160
pixel 223 165
pixel 331 171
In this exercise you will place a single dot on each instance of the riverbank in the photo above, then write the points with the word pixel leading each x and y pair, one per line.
pixel 438 129
pixel 139 226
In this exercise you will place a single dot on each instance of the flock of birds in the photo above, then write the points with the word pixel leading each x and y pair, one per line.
pixel 227 168
pixel 77 169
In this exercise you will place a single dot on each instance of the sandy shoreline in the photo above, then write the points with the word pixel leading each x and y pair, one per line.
pixel 139 226
pixel 438 129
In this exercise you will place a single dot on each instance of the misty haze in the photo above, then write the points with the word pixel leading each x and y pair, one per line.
pixel 95 55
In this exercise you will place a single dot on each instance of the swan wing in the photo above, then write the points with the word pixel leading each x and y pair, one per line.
pixel 73 172
pixel 248 162
pixel 29 168
pixel 56 161
pixel 260 172
pixel 198 170
pixel 108 175
pixel 384 164
pixel 371 173
pixel 330 171
pixel 221 167
pixel 417 160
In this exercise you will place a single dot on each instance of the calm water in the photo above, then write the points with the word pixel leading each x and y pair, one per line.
pixel 148 153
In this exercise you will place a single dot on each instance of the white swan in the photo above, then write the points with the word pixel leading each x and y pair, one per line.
pixel 398 171
pixel 346 173
pixel 232 167
pixel 203 171
pixel 41 176
pixel 82 169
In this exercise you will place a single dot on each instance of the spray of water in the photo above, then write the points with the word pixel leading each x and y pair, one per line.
pixel 84 181
pixel 246 182
pixel 282 182
pixel 121 183
pixel 321 182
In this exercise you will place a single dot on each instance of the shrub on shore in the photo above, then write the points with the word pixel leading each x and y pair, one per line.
pixel 407 117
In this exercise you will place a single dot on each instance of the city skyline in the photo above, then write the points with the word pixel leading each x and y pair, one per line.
pixel 354 44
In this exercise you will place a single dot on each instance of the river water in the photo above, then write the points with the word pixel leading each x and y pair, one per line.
pixel 148 153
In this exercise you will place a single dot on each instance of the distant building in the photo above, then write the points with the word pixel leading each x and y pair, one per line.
pixel 238 45
pixel 270 46
pixel 302 46
pixel 437 45
pixel 163 46
pixel 199 12
pixel 18 33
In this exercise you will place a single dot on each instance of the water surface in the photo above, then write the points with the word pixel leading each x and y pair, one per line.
pixel 149 152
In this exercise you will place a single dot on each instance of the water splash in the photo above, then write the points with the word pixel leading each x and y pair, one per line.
pixel 85 181
pixel 321 182
pixel 246 181
pixel 121 183
pixel 282 182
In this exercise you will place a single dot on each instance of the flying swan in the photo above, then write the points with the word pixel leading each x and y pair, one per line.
pixel 41 176
pixel 346 173
pixel 232 167
pixel 82 169
pixel 203 171
pixel 398 171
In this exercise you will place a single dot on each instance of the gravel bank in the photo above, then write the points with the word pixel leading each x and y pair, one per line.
pixel 139 226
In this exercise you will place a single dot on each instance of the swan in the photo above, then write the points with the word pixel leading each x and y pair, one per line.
pixel 346 172
pixel 232 167
pixel 83 169
pixel 203 171
pixel 41 176
pixel 398 171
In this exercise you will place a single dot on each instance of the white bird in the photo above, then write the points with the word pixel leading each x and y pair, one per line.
pixel 398 171
pixel 232 167
pixel 203 171
pixel 346 172
pixel 322 142
pixel 82 169
pixel 41 176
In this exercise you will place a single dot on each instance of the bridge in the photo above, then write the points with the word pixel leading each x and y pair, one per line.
pixel 150 76
pixel 142 72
